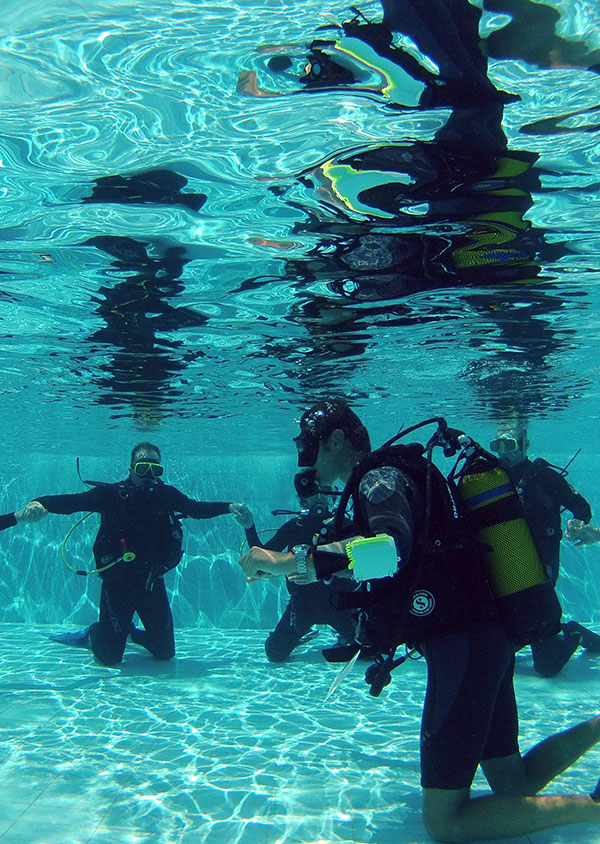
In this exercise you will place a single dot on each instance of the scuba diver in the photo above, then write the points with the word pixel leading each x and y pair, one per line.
pixel 425 585
pixel 545 492
pixel 139 540
pixel 309 603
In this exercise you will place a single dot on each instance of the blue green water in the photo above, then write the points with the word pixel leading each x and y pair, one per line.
pixel 434 259
pixel 226 354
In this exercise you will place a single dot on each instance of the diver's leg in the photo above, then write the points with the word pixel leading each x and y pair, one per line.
pixel 453 816
pixel 589 640
pixel 527 775
pixel 287 634
pixel 455 720
pixel 321 607
pixel 551 757
pixel 515 808
pixel 507 772
pixel 470 711
pixel 318 603
pixel 552 654
pixel 154 610
pixel 108 636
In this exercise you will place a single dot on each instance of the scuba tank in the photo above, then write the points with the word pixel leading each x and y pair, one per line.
pixel 527 604
pixel 492 548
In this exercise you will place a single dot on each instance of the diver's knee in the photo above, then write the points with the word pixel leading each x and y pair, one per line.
pixel 164 656
pixel 446 830
pixel 107 659
pixel 442 814
pixel 106 653
pixel 277 651
pixel 445 835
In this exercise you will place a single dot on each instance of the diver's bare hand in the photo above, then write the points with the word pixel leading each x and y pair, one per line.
pixel 242 514
pixel 581 534
pixel 248 84
pixel 32 512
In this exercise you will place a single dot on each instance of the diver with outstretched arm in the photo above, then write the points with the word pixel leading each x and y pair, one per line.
pixel 139 540
pixel 426 590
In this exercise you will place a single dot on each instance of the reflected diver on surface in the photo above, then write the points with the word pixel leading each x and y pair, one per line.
pixel 309 603
pixel 545 493
pixel 448 214
pixel 135 310
pixel 531 35
pixel 139 540
pixel 429 588
pixel 151 187
pixel 447 33
pixel 363 56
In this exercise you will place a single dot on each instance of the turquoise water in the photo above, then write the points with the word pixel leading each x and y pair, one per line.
pixel 338 239
pixel 91 91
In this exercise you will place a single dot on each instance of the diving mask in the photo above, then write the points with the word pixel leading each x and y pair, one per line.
pixel 506 444
pixel 144 467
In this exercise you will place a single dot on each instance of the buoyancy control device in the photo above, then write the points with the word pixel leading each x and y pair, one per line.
pixel 489 515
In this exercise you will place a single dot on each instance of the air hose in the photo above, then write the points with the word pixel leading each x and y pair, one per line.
pixel 83 572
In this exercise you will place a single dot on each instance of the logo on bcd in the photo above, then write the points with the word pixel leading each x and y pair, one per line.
pixel 423 602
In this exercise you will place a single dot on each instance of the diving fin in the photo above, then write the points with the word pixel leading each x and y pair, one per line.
pixel 78 639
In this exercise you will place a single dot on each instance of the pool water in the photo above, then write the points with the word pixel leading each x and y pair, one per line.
pixel 340 246
pixel 212 215
pixel 219 747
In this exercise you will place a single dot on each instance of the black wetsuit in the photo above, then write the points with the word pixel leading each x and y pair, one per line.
pixel 544 492
pixel 470 712
pixel 141 521
pixel 7 521
pixel 310 603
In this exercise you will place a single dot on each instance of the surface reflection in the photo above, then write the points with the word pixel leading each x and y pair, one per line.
pixel 451 212
pixel 135 307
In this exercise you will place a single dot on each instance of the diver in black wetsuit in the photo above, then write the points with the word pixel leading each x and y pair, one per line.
pixel 544 493
pixel 402 546
pixel 310 603
pixel 139 540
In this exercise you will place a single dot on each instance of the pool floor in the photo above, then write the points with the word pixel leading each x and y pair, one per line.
pixel 221 747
